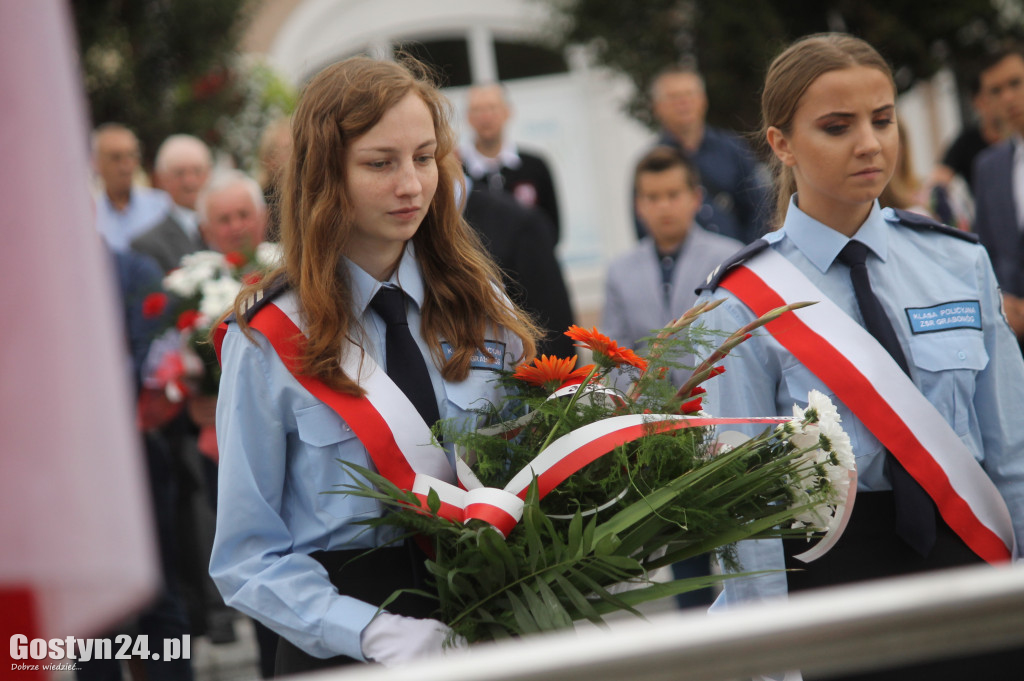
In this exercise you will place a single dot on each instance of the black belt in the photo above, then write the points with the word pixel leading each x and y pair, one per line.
pixel 371 575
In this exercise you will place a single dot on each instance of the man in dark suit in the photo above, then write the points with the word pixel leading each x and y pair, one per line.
pixel 735 195
pixel 519 240
pixel 999 184
pixel 183 165
pixel 496 163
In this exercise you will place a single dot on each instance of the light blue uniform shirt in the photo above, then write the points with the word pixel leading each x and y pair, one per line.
pixel 973 376
pixel 146 207
pixel 278 446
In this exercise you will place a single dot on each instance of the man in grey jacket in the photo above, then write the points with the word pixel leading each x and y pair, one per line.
pixel 183 164
pixel 654 283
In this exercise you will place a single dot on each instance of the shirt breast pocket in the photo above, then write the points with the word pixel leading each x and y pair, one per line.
pixel 946 365
pixel 479 392
pixel 325 438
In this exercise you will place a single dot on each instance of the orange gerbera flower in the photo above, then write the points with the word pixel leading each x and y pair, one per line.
pixel 607 352
pixel 551 373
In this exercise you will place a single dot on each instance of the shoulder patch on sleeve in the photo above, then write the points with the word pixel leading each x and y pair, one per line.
pixel 259 300
pixel 737 259
pixel 917 221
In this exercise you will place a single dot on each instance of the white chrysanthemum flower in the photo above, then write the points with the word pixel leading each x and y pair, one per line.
pixel 269 254
pixel 196 268
pixel 218 295
pixel 804 435
pixel 828 415
pixel 181 283
pixel 817 517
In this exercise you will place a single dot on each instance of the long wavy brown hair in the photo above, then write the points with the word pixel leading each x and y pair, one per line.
pixel 464 297
pixel 788 78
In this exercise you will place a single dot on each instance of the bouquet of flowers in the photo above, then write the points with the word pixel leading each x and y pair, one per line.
pixel 615 484
pixel 181 359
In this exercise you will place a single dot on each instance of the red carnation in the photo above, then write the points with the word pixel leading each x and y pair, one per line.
pixel 154 305
pixel 693 405
pixel 235 259
pixel 187 319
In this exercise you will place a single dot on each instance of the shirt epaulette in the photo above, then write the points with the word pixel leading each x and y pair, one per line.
pixel 917 221
pixel 738 258
pixel 259 300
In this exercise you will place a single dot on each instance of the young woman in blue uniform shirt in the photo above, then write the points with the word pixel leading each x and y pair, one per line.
pixel 369 200
pixel 829 108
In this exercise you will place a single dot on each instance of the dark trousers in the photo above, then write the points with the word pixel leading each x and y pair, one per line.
pixel 370 576
pixel 870 549
pixel 166 617
pixel 698 566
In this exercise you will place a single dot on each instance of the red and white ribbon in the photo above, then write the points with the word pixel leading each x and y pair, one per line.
pixel 864 376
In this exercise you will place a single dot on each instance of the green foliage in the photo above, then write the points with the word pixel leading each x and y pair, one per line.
pixel 549 573
pixel 732 43
pixel 163 67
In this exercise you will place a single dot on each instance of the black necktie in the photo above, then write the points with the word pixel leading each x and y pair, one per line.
pixel 915 511
pixel 404 360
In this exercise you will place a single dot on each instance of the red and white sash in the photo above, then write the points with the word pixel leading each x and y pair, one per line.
pixel 403 450
pixel 864 376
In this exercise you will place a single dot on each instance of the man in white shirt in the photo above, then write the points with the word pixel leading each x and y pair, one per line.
pixel 495 163
pixel 124 210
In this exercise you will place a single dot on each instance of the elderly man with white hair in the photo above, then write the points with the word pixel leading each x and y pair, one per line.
pixel 183 165
pixel 232 213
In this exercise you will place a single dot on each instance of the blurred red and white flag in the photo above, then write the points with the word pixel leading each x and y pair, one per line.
pixel 77 553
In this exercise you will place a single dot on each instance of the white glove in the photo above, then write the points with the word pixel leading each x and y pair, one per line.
pixel 394 639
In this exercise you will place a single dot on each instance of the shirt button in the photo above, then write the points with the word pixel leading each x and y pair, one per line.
pixel 962 355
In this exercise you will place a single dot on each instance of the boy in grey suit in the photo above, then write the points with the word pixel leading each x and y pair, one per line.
pixel 654 283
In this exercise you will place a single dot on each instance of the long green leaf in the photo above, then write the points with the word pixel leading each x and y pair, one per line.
pixel 573 595
pixel 524 618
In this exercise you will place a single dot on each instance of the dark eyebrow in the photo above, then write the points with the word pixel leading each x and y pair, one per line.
pixel 423 145
pixel 842 114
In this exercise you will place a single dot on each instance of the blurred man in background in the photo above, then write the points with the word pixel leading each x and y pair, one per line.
pixel 494 162
pixel 735 195
pixel 124 209
pixel 183 164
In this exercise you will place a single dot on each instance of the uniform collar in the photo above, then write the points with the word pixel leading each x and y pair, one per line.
pixel 406 277
pixel 821 244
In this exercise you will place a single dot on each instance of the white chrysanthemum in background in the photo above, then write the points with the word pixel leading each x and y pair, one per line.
pixel 195 269
pixel 218 295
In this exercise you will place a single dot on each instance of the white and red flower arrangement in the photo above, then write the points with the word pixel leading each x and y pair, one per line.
pixel 181 361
